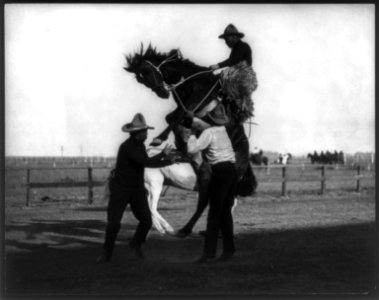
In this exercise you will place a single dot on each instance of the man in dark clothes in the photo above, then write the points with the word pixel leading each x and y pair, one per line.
pixel 239 80
pixel 241 51
pixel 127 186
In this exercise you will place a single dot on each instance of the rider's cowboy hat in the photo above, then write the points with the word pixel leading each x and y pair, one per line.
pixel 218 115
pixel 231 30
pixel 138 123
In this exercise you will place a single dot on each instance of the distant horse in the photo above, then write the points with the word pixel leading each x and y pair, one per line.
pixel 312 157
pixel 179 175
pixel 258 158
pixel 194 88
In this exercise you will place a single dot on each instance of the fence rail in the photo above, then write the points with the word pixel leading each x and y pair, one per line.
pixel 284 178
pixel 323 178
pixel 90 183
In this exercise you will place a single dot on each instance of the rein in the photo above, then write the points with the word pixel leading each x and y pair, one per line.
pixel 199 104
pixel 179 100
pixel 193 75
pixel 206 96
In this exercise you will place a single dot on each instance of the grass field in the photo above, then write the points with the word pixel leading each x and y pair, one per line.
pixel 303 243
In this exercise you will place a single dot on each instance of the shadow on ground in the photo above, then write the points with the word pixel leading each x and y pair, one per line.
pixel 58 258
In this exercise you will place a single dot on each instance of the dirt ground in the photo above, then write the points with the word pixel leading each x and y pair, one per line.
pixel 302 244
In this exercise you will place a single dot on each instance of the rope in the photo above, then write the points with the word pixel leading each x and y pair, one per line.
pixel 168 59
pixel 179 100
pixel 171 58
pixel 154 66
pixel 206 96
pixel 193 75
pixel 198 105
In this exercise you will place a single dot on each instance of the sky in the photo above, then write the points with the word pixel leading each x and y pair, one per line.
pixel 66 92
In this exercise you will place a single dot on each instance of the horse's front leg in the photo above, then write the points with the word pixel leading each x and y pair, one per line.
pixel 203 200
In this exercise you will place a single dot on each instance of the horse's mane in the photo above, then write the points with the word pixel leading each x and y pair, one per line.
pixel 134 60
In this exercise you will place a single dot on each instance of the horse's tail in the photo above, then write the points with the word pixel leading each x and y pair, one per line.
pixel 247 185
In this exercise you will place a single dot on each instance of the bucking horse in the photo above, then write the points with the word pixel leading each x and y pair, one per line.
pixel 194 88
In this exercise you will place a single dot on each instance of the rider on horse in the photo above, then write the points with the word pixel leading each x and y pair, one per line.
pixel 239 79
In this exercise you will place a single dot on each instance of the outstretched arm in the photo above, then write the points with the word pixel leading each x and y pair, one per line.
pixel 162 159
pixel 238 54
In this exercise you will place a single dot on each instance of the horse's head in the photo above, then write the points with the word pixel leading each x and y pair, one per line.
pixel 146 67
pixel 147 74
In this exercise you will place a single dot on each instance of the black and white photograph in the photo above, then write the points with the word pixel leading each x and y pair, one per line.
pixel 189 150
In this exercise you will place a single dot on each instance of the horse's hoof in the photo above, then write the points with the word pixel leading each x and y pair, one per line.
pixel 156 142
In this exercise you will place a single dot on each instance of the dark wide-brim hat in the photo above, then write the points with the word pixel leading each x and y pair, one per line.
pixel 218 115
pixel 231 30
pixel 138 123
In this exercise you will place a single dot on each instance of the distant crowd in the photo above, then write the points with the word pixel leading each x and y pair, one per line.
pixel 327 157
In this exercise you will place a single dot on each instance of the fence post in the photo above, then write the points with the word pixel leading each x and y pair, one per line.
pixel 322 180
pixel 27 186
pixel 284 182
pixel 90 185
pixel 358 178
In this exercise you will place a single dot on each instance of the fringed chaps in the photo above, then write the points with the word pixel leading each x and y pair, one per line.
pixel 238 83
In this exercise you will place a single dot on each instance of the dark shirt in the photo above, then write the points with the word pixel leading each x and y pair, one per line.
pixel 131 161
pixel 240 52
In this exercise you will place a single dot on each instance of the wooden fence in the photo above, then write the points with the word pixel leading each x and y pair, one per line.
pixel 284 179
pixel 323 178
pixel 90 183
